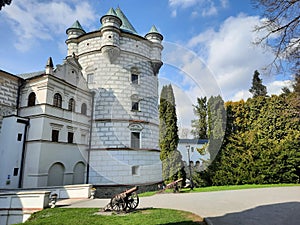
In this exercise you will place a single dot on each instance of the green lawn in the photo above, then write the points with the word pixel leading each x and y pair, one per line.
pixel 222 188
pixel 86 216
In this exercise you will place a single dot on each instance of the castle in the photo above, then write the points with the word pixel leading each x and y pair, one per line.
pixel 92 119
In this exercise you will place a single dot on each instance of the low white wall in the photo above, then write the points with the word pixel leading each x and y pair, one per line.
pixel 16 207
pixel 71 191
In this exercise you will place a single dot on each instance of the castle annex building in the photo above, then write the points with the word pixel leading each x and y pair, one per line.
pixel 92 119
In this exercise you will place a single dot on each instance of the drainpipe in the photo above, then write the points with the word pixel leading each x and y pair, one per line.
pixel 90 139
pixel 26 122
pixel 19 95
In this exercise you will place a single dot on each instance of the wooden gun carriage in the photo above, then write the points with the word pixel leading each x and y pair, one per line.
pixel 127 200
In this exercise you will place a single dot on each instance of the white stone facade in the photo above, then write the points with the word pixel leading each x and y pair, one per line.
pixel 109 57
pixel 37 160
pixel 107 87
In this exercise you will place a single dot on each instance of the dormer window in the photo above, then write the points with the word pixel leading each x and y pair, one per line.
pixel 57 100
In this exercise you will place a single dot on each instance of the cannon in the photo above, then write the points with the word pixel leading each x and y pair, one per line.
pixel 125 201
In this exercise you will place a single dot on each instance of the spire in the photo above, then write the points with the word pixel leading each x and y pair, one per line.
pixel 111 12
pixel 126 25
pixel 153 30
pixel 49 66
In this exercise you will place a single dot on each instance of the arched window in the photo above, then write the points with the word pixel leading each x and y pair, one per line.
pixel 56 175
pixel 72 105
pixel 83 108
pixel 31 99
pixel 78 177
pixel 57 100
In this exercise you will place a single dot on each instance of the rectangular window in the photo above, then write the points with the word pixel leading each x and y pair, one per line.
pixel 83 139
pixel 90 78
pixel 134 79
pixel 70 137
pixel 16 171
pixel 135 106
pixel 55 135
pixel 19 137
pixel 135 170
pixel 135 140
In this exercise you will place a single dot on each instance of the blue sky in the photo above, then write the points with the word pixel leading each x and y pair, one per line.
pixel 207 43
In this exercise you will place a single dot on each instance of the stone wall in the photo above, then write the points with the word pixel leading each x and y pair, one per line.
pixel 8 95
pixel 111 190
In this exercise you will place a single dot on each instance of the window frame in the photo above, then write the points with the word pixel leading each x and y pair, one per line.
pixel 135 79
pixel 57 100
pixel 83 109
pixel 70 137
pixel 31 99
pixel 71 105
pixel 55 135
pixel 135 106
pixel 135 140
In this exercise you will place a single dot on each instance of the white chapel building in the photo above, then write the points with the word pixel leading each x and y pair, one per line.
pixel 92 119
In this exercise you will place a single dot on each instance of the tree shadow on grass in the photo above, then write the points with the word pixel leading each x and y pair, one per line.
pixel 274 214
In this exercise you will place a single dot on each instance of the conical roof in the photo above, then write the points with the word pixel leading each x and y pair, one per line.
pixel 126 25
pixel 153 30
pixel 76 25
pixel 111 12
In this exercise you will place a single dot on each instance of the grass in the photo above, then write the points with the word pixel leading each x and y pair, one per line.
pixel 221 188
pixel 87 216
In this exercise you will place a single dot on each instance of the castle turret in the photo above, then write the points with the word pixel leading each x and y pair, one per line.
pixel 115 60
pixel 110 30
pixel 156 38
pixel 73 32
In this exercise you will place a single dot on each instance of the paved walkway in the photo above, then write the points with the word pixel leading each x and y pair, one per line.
pixel 265 206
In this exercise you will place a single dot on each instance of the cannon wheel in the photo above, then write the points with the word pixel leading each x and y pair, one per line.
pixel 118 204
pixel 133 201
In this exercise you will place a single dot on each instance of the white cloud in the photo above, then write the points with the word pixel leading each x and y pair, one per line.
pixel 205 7
pixel 183 3
pixel 42 20
pixel 276 86
pixel 230 54
pixel 223 62
pixel 224 3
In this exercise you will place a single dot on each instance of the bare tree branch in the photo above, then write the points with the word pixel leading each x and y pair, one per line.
pixel 281 31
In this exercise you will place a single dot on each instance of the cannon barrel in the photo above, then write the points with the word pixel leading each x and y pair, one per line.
pixel 131 190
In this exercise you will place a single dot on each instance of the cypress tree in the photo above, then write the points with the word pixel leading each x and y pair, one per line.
pixel 200 125
pixel 168 136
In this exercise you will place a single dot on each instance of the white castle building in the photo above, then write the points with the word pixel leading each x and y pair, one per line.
pixel 93 119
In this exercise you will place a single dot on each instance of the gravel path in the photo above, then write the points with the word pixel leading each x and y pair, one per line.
pixel 264 206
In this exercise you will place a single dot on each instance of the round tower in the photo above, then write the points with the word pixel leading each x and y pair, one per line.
pixel 74 32
pixel 121 67
pixel 110 30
